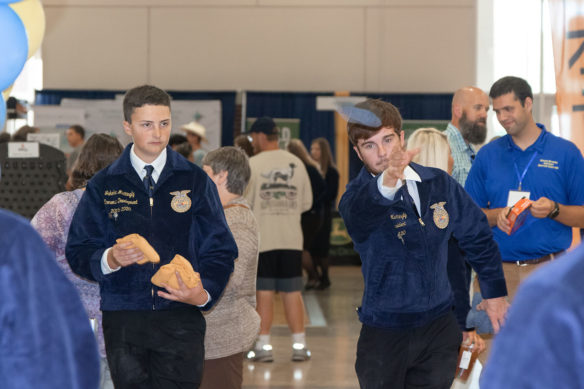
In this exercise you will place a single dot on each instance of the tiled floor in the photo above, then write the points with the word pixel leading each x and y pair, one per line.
pixel 333 343
pixel 332 332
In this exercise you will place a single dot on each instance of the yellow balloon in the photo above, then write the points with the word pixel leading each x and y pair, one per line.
pixel 6 93
pixel 33 17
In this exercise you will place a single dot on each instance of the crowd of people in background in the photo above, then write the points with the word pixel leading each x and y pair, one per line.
pixel 72 225
pixel 428 216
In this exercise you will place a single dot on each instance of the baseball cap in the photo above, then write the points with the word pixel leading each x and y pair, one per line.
pixel 264 124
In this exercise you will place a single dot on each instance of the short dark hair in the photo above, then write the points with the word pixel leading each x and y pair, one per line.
pixel 185 149
pixel 386 112
pixel 98 152
pixel 242 141
pixel 235 162
pixel 143 95
pixel 509 84
pixel 78 129
pixel 176 139
pixel 22 133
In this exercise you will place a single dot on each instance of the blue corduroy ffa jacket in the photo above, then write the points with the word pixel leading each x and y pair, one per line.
pixel 404 259
pixel 44 330
pixel 116 204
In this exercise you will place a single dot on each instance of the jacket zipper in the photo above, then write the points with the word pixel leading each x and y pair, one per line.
pixel 151 287
pixel 423 231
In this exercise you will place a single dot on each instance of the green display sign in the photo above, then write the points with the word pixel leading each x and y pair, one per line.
pixel 410 126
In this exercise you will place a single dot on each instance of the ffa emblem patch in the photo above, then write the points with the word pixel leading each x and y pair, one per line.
pixel 180 202
pixel 440 216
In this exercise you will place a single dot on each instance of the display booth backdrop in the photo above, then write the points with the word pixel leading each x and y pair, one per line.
pixel 435 107
pixel 224 122
pixel 313 123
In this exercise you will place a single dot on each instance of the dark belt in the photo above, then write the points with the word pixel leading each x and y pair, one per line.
pixel 545 258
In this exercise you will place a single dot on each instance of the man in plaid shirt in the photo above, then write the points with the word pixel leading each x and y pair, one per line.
pixel 467 127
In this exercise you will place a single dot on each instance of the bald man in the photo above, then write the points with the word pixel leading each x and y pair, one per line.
pixel 467 127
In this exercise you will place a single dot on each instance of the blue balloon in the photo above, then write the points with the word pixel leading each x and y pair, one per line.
pixel 13 46
pixel 2 112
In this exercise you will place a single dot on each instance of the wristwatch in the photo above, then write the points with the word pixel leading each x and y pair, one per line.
pixel 555 212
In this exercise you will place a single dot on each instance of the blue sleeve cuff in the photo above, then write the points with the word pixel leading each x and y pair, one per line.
pixel 493 288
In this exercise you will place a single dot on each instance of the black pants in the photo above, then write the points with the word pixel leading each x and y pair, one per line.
pixel 421 358
pixel 155 349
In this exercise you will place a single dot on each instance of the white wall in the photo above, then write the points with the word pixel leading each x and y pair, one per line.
pixel 289 45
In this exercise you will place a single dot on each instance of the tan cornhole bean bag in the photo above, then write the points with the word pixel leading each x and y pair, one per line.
pixel 166 274
pixel 150 255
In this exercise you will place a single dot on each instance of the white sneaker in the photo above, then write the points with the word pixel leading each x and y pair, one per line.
pixel 300 353
pixel 261 355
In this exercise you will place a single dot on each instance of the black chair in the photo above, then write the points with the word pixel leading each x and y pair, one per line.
pixel 26 184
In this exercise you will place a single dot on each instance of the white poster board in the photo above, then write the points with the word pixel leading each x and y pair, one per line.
pixel 205 112
pixel 23 149
pixel 57 116
pixel 51 139
pixel 101 116
pixel 55 119
pixel 106 116
pixel 331 103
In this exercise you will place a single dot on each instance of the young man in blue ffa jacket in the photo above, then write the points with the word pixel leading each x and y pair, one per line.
pixel 154 338
pixel 533 163
pixel 401 216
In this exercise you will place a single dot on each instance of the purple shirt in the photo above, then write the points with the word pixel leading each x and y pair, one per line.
pixel 52 222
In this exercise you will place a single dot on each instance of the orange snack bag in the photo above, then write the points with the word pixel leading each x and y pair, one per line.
pixel 518 213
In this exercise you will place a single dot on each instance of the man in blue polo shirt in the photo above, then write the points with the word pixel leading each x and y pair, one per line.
pixel 527 162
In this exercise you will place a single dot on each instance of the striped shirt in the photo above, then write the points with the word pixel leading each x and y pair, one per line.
pixel 463 154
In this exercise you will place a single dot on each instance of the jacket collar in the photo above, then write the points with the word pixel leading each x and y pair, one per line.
pixel 423 172
pixel 538 145
pixel 123 166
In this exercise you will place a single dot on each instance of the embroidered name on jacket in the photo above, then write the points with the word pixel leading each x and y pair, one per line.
pixel 399 221
pixel 119 201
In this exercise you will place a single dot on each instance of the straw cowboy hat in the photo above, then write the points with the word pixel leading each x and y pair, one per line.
pixel 194 128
